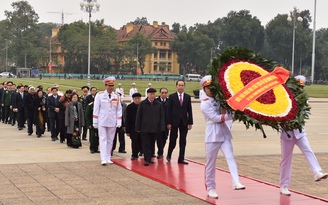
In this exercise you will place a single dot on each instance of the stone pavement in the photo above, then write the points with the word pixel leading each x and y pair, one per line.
pixel 39 171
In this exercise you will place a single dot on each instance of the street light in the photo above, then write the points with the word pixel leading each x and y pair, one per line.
pixel 313 42
pixel 89 6
pixel 293 18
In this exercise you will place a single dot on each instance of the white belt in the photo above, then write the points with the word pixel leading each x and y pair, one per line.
pixel 210 122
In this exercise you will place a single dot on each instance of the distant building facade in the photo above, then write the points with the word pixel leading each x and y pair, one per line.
pixel 164 61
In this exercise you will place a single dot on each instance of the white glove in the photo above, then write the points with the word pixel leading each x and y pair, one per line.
pixel 95 125
pixel 228 117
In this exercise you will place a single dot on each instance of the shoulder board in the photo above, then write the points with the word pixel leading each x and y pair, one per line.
pixel 90 103
pixel 205 99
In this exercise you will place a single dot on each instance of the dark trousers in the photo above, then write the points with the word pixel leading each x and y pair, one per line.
pixel 148 139
pixel 94 139
pixel 121 139
pixel 7 114
pixel 136 144
pixel 85 130
pixel 54 127
pixel 161 141
pixel 62 130
pixel 30 121
pixel 2 113
pixel 20 118
pixel 69 139
pixel 183 130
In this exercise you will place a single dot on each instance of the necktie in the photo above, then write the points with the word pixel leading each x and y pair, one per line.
pixel 180 99
pixel 22 96
pixel 56 101
pixel 109 96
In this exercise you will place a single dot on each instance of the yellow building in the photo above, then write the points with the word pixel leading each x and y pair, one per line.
pixel 57 58
pixel 165 61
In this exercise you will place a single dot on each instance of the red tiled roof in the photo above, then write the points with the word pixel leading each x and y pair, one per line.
pixel 159 33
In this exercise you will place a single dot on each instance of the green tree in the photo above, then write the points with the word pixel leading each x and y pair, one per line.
pixel 243 30
pixel 321 64
pixel 74 40
pixel 193 49
pixel 141 21
pixel 140 46
pixel 279 39
pixel 22 26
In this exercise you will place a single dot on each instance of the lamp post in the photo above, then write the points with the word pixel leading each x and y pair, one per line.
pixel 6 55
pixel 313 42
pixel 89 6
pixel 294 18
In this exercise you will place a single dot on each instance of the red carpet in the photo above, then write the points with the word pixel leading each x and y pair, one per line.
pixel 190 180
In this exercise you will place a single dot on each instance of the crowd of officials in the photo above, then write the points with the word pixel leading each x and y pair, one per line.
pixel 69 117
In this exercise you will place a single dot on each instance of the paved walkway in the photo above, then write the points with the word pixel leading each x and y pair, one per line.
pixel 39 171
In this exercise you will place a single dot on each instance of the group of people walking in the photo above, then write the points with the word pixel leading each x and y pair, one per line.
pixel 147 122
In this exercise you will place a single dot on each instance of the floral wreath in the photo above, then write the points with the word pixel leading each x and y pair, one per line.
pixel 284 107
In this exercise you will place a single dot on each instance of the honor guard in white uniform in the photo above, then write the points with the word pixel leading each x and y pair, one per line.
pixel 133 90
pixel 107 116
pixel 287 146
pixel 218 137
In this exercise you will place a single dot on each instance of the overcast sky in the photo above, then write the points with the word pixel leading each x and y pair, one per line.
pixel 118 12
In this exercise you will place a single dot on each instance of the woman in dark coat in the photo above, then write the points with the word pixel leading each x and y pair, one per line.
pixel 74 120
pixel 40 119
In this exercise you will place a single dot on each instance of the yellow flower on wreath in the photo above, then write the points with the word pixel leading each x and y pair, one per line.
pixel 280 108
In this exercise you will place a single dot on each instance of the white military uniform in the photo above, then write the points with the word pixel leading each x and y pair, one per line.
pixel 132 91
pixel 287 146
pixel 218 137
pixel 120 90
pixel 107 114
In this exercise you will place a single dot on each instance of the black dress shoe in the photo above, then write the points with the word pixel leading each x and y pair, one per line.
pixel 20 128
pixel 29 134
pixel 97 151
pixel 134 158
pixel 140 154
pixel 92 151
pixel 159 156
pixel 38 136
pixel 151 162
pixel 182 162
pixel 147 163
pixel 53 139
pixel 168 158
pixel 12 124
pixel 122 151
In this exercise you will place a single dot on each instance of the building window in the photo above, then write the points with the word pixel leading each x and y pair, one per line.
pixel 169 66
pixel 155 66
pixel 164 44
pixel 169 55
pixel 162 54
pixel 155 43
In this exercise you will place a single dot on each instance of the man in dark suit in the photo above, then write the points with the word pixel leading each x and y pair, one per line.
pixel 162 136
pixel 179 117
pixel 53 113
pixel 90 98
pixel 18 106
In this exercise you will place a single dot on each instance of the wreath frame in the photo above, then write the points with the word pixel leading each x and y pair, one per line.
pixel 244 54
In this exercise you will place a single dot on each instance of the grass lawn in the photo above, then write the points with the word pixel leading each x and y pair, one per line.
pixel 316 91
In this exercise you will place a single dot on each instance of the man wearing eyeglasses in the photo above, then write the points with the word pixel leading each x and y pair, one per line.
pixel 162 136
pixel 107 116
